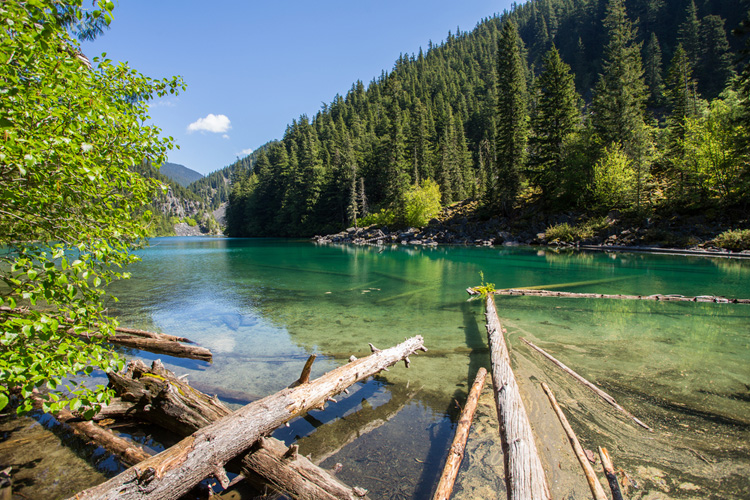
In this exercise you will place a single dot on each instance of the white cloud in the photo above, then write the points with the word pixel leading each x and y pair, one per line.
pixel 246 152
pixel 217 124
pixel 225 136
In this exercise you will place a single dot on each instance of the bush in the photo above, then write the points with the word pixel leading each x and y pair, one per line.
pixel 420 204
pixel 383 218
pixel 561 232
pixel 734 239
pixel 614 179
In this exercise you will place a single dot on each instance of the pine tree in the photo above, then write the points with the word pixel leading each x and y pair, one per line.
pixel 512 117
pixel 714 66
pixel 688 34
pixel 620 98
pixel 652 65
pixel 555 118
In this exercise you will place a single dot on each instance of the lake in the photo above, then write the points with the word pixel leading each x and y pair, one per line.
pixel 263 305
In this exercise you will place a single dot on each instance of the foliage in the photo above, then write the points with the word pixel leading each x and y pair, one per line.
pixel 69 201
pixel 566 233
pixel 563 232
pixel 485 288
pixel 614 179
pixel 420 204
pixel 735 240
pixel 384 217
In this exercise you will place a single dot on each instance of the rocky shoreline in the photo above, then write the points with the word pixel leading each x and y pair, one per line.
pixel 459 225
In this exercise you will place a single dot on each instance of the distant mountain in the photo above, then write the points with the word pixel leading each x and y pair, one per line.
pixel 179 173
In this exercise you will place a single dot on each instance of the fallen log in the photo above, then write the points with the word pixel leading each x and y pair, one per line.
pixel 456 454
pixel 152 335
pixel 161 346
pixel 174 471
pixel 609 471
pixel 91 432
pixel 656 297
pixel 156 395
pixel 606 397
pixel 524 475
pixel 588 471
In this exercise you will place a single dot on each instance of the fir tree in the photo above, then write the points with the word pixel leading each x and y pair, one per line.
pixel 512 117
pixel 620 97
pixel 652 62
pixel 714 67
pixel 689 32
pixel 555 118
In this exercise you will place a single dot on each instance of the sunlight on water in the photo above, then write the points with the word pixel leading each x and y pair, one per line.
pixel 262 306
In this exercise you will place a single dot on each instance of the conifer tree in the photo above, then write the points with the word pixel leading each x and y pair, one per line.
pixel 714 66
pixel 688 34
pixel 620 98
pixel 555 118
pixel 652 65
pixel 512 117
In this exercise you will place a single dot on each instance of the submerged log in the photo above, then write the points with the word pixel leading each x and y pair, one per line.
pixel 93 433
pixel 656 297
pixel 163 399
pixel 456 454
pixel 596 487
pixel 524 475
pixel 174 471
pixel 606 397
pixel 162 346
pixel 609 471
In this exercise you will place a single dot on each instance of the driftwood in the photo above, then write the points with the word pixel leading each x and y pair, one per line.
pixel 524 475
pixel 161 346
pixel 656 297
pixel 156 395
pixel 91 432
pixel 176 470
pixel 456 454
pixel 6 484
pixel 596 487
pixel 609 471
pixel 606 397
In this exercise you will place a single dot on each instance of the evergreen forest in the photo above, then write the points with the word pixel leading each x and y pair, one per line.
pixel 585 105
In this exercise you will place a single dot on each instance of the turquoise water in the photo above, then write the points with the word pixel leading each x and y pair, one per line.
pixel 262 306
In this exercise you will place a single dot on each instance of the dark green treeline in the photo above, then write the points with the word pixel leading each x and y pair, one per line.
pixel 573 103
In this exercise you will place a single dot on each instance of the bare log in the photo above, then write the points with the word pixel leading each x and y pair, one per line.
pixel 301 478
pixel 160 346
pixel 174 471
pixel 609 471
pixel 524 292
pixel 606 397
pixel 596 487
pixel 524 476
pixel 163 399
pixel 456 454
pixel 91 432
pixel 152 335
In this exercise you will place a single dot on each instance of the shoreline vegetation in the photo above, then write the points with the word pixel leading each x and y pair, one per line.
pixel 462 224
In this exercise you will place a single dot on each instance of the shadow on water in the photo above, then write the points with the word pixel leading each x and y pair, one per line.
pixel 478 357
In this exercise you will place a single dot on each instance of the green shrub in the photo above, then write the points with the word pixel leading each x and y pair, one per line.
pixel 190 222
pixel 421 203
pixel 385 217
pixel 734 239
pixel 561 232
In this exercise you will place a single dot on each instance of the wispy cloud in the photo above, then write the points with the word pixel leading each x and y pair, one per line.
pixel 217 124
pixel 170 102
pixel 246 152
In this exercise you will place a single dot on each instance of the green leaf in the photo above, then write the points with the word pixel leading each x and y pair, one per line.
pixel 3 400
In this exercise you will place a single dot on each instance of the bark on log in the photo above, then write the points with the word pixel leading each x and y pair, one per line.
pixel 174 471
pixel 292 473
pixel 524 475
pixel 588 471
pixel 656 297
pixel 606 397
pixel 456 454
pixel 609 471
pixel 161 346
pixel 91 432
pixel 161 398
pixel 152 335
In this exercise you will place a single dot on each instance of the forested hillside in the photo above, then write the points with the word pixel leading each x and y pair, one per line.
pixel 590 105
pixel 179 173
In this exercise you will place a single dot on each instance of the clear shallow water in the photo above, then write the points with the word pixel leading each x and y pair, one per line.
pixel 262 306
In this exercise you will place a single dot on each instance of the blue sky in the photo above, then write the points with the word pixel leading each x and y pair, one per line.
pixel 253 66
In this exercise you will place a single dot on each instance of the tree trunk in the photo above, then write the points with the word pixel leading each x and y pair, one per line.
pixel 656 297
pixel 524 476
pixel 456 454
pixel 161 346
pixel 174 471
pixel 588 471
